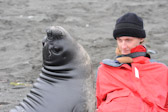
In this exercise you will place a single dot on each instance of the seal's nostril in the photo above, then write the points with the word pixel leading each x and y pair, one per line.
pixel 57 34
pixel 49 33
pixel 54 33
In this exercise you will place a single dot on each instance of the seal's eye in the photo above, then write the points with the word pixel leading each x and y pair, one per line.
pixel 50 38
pixel 57 50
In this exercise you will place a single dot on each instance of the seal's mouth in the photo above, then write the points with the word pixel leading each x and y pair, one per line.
pixel 51 51
pixel 54 51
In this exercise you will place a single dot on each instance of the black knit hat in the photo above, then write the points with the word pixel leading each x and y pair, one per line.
pixel 129 25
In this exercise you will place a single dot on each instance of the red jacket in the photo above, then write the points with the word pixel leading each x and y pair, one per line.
pixel 141 87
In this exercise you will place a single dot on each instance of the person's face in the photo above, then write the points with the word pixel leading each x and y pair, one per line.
pixel 125 43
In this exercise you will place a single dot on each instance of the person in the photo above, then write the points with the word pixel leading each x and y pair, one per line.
pixel 132 82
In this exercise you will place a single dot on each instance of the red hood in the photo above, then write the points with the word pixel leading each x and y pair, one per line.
pixel 139 48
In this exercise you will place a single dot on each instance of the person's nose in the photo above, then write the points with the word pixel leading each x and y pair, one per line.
pixel 124 45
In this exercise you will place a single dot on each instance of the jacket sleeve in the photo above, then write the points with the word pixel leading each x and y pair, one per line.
pixel 99 99
pixel 99 86
pixel 105 84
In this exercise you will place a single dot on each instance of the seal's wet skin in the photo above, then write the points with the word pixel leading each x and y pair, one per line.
pixel 66 81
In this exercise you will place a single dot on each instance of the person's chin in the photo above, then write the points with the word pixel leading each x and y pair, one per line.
pixel 125 53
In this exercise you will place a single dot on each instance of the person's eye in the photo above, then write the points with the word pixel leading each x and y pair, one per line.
pixel 128 40
pixel 119 40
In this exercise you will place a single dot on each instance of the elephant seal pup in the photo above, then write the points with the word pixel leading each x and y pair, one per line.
pixel 66 80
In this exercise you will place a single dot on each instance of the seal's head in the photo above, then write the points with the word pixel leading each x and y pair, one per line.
pixel 57 47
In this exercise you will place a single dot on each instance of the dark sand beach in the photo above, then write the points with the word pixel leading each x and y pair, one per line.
pixel 91 22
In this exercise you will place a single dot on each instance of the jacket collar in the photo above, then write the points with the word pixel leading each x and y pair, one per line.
pixel 139 50
pixel 137 54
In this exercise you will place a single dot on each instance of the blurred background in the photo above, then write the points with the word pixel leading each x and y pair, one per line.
pixel 91 22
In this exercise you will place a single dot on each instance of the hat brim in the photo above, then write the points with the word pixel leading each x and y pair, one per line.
pixel 139 33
